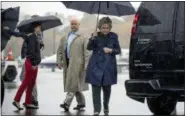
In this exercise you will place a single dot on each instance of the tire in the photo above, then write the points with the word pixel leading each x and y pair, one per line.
pixel 2 91
pixel 162 105
pixel 10 74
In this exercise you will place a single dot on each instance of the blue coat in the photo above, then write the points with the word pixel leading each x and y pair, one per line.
pixel 102 69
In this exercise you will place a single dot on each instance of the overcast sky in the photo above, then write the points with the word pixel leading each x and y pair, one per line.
pixel 41 8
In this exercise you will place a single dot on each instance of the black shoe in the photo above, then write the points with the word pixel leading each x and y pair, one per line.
pixel 24 104
pixel 106 112
pixel 35 103
pixel 65 106
pixel 96 113
pixel 31 106
pixel 79 107
pixel 17 106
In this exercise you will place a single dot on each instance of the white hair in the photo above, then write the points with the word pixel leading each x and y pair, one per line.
pixel 74 19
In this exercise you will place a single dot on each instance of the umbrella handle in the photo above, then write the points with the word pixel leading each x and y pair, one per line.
pixel 97 22
pixel 98 16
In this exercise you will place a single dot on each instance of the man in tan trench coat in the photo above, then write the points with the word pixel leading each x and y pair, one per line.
pixel 73 56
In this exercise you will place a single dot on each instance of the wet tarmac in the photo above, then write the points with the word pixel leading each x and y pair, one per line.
pixel 51 95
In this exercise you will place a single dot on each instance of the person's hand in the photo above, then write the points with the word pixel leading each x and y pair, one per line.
pixel 94 35
pixel 42 46
pixel 107 50
pixel 59 66
pixel 34 67
pixel 6 27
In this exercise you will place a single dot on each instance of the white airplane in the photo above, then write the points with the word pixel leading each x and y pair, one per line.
pixel 122 59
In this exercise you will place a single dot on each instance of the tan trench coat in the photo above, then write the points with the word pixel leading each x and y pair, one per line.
pixel 74 75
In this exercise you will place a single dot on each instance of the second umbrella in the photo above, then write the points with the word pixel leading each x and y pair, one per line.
pixel 47 22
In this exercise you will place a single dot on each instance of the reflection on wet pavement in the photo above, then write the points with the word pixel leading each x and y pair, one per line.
pixel 51 95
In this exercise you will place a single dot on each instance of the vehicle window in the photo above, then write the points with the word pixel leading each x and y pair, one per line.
pixel 164 12
pixel 180 17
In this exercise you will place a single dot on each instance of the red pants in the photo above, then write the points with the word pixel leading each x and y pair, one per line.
pixel 28 83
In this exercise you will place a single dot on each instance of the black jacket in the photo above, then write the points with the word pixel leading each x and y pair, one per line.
pixel 33 49
pixel 24 49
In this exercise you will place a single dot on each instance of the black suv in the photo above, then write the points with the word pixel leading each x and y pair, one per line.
pixel 156 58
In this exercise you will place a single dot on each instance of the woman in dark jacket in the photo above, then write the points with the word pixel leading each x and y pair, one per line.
pixel 102 70
pixel 33 59
pixel 23 56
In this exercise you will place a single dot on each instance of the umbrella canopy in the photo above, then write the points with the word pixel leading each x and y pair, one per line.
pixel 10 17
pixel 104 7
pixel 47 22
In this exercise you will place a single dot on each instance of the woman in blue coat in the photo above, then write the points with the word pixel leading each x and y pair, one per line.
pixel 102 69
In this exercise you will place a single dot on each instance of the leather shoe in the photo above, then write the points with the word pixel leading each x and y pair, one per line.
pixel 65 106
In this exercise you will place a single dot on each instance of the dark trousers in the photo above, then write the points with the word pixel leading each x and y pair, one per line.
pixel 96 92
pixel 67 61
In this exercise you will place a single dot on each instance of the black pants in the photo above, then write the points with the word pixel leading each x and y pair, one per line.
pixel 67 60
pixel 96 92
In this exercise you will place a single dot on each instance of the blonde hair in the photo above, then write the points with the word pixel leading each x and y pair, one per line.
pixel 105 20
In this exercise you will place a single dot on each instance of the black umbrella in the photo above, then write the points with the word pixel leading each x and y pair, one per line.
pixel 47 22
pixel 105 7
pixel 9 18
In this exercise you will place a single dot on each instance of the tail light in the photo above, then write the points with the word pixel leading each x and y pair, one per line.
pixel 136 19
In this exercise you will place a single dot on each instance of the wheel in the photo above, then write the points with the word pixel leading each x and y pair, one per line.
pixel 162 105
pixel 10 74
pixel 2 91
